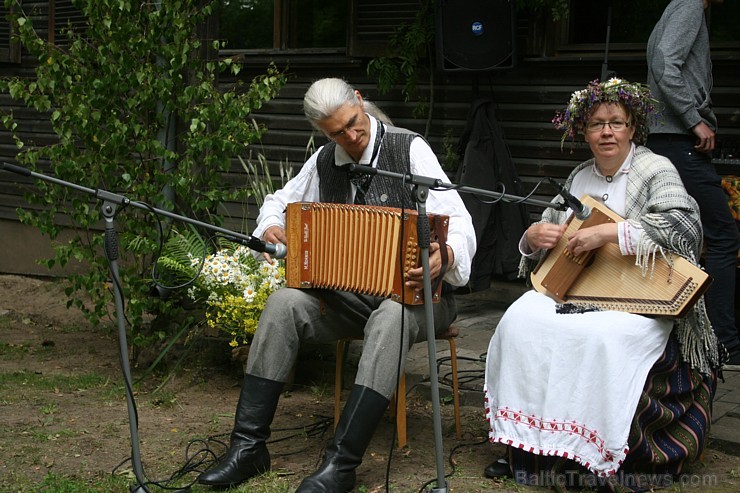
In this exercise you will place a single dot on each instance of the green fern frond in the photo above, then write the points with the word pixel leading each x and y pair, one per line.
pixel 180 248
pixel 175 267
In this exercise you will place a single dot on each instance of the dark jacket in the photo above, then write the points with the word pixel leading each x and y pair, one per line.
pixel 487 165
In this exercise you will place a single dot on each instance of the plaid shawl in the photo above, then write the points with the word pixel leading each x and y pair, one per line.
pixel 669 216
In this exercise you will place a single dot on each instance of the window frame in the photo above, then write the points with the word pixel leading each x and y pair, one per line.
pixel 559 41
pixel 283 16
pixel 10 49
pixel 369 26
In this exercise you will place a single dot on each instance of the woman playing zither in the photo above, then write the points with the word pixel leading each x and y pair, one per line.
pixel 606 394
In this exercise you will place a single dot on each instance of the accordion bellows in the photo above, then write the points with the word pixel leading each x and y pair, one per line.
pixel 356 248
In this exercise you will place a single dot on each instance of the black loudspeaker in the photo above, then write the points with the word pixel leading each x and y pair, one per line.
pixel 475 35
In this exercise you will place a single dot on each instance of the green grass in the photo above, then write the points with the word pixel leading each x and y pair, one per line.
pixel 13 352
pixel 41 435
pixel 164 399
pixel 56 483
pixel 321 390
pixel 72 329
pixel 271 482
pixel 49 408
pixel 50 382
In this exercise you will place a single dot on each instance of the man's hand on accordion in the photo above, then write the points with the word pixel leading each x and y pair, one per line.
pixel 415 277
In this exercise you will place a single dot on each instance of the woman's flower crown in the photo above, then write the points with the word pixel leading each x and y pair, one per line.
pixel 634 96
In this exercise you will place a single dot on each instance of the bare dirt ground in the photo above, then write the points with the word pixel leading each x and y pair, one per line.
pixel 63 411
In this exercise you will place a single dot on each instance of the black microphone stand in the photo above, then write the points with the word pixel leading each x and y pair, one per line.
pixel 605 72
pixel 421 186
pixel 110 202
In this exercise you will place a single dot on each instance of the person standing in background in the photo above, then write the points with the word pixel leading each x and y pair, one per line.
pixel 680 77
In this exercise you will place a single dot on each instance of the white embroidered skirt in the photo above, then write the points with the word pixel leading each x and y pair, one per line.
pixel 568 385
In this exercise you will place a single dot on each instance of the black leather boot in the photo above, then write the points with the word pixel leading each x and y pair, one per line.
pixel 498 469
pixel 360 417
pixel 247 455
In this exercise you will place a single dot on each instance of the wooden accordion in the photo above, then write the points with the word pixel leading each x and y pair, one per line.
pixel 606 279
pixel 357 248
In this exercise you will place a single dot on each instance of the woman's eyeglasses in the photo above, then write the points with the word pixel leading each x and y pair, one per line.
pixel 616 126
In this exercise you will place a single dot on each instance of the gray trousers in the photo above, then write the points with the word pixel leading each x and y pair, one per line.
pixel 293 316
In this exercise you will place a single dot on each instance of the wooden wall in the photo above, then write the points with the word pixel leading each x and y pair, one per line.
pixel 527 97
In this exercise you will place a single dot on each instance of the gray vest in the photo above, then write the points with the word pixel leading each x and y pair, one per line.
pixel 334 184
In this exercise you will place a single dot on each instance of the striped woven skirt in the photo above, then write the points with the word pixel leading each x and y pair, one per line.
pixel 668 431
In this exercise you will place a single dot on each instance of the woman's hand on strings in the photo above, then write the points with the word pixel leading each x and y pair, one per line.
pixel 593 237
pixel 544 235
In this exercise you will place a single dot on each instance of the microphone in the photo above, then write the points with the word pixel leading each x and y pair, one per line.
pixel 276 250
pixel 581 211
pixel 359 169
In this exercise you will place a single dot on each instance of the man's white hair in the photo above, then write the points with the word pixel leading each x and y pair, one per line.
pixel 326 96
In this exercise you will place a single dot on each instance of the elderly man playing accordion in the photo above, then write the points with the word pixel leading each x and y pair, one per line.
pixel 294 316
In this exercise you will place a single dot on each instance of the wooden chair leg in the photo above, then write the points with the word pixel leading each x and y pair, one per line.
pixel 398 401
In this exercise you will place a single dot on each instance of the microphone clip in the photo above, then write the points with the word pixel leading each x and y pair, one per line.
pixel 580 210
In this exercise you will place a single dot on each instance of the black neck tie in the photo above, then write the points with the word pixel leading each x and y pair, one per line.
pixel 362 181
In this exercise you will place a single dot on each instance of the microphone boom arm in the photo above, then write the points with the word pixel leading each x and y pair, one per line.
pixel 436 183
pixel 277 251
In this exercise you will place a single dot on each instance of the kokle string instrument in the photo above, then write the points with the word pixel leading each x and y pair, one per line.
pixel 606 279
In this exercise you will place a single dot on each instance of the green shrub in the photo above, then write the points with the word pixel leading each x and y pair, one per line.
pixel 135 111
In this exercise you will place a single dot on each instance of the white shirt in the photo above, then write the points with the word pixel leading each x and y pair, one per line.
pixel 304 187
pixel 610 191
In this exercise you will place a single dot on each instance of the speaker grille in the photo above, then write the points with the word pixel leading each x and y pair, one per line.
pixel 475 35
